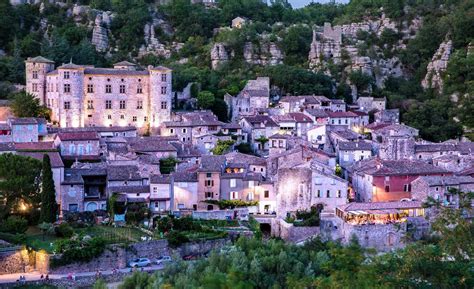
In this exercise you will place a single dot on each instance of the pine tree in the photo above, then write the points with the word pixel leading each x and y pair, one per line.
pixel 48 194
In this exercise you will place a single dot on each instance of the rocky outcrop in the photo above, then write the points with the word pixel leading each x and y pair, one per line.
pixel 100 37
pixel 152 43
pixel 219 55
pixel 268 53
pixel 437 66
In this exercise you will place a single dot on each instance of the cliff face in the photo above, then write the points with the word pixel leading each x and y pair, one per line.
pixel 339 45
pixel 100 37
pixel 437 66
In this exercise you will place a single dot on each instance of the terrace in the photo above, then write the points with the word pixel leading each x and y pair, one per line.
pixel 379 213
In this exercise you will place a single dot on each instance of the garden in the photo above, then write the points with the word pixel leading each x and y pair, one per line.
pixel 186 229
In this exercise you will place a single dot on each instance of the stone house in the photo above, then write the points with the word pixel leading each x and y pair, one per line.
pixel 254 97
pixel 82 95
pixel 395 141
pixel 350 152
pixel 238 22
pixel 209 181
pixel 161 194
pixel 128 182
pixel 188 127
pixel 157 146
pixel 429 151
pixel 437 187
pixel 317 136
pixel 387 116
pixel 78 145
pixel 84 188
pixel 238 183
pixel 367 104
pixel 338 105
pixel 259 126
pixel 346 118
pixel 104 131
pixel 318 116
pixel 377 180
pixel 302 123
pixel 278 143
pixel 302 102
pixel 25 129
pixel 256 164
pixel 235 131
pixel 328 189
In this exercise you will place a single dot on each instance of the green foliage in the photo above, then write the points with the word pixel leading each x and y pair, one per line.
pixel 64 230
pixel 49 207
pixel 27 105
pixel 13 238
pixel 138 280
pixel 244 148
pixel 231 204
pixel 19 183
pixel 222 147
pixel 361 80
pixel 296 43
pixel 205 99
pixel 176 238
pixel 100 284
pixel 136 213
pixel 309 218
pixel 14 225
pixel 434 119
pixel 78 250
pixel 167 165
pixel 298 81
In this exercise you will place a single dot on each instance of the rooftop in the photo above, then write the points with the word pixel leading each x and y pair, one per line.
pixel 212 163
pixel 77 136
pixel 353 146
pixel 378 167
pixel 446 180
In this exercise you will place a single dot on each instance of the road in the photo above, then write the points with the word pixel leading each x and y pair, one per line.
pixel 35 276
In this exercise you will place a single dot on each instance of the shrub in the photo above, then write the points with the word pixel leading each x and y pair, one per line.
pixel 14 225
pixel 64 231
pixel 78 250
pixel 13 238
pixel 176 238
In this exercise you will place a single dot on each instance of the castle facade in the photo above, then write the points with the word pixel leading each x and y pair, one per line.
pixel 81 95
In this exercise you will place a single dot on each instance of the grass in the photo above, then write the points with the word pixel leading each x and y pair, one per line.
pixel 198 236
pixel 114 235
pixel 36 240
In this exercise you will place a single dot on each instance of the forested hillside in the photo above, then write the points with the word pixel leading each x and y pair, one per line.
pixel 416 53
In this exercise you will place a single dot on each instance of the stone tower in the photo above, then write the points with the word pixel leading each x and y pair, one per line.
pixel 160 95
pixel 71 91
pixel 36 69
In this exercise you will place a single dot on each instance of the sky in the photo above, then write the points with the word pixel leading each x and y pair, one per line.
pixel 301 3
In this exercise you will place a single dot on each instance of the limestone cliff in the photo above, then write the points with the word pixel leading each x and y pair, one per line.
pixel 437 65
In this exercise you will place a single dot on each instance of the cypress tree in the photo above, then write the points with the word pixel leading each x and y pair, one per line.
pixel 48 194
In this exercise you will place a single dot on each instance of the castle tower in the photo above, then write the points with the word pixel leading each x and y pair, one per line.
pixel 71 95
pixel 160 95
pixel 36 69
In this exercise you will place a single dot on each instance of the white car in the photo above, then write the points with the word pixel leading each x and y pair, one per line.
pixel 163 260
pixel 140 262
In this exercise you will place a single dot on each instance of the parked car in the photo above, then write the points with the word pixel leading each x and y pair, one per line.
pixel 140 262
pixel 163 260
pixel 191 257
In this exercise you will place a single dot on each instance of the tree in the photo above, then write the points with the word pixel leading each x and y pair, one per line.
pixel 167 165
pixel 27 105
pixel 19 183
pixel 222 147
pixel 49 207
pixel 262 140
pixel 45 228
pixel 205 99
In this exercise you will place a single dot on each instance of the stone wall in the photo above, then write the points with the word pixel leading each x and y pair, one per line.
pixel 14 261
pixel 118 256
pixel 291 233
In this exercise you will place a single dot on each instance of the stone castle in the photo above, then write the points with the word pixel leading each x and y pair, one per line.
pixel 81 95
